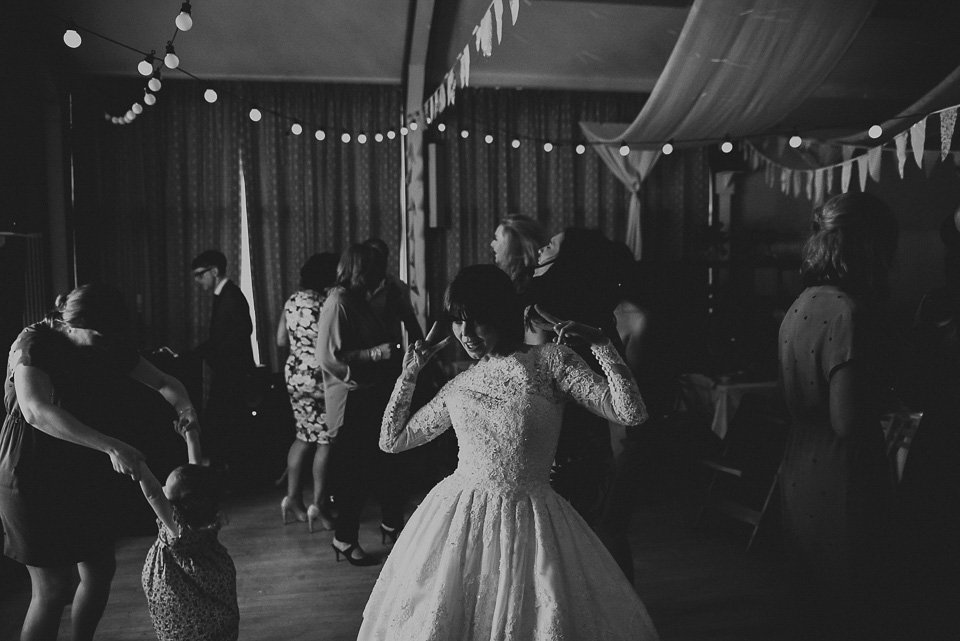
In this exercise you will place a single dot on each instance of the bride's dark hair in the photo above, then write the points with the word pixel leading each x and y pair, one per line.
pixel 485 294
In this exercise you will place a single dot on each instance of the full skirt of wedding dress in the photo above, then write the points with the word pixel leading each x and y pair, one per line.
pixel 487 560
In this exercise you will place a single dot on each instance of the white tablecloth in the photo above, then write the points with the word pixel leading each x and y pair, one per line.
pixel 719 401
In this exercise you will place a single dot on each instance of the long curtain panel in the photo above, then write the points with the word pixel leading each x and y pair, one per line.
pixel 305 195
pixel 152 194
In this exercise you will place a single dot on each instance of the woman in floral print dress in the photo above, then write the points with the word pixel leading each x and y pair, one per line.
pixel 298 330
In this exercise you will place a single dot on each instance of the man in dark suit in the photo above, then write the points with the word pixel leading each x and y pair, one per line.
pixel 229 355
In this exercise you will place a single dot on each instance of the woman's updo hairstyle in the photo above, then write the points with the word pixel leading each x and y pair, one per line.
pixel 95 306
pixel 485 294
pixel 852 246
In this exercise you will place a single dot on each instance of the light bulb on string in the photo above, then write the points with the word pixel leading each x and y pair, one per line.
pixel 362 138
pixel 413 125
pixel 255 115
pixel 344 137
pixel 667 148
pixel 403 131
pixel 145 66
pixel 875 131
pixel 126 118
pixel 727 146
pixel 441 127
pixel 171 59
pixel 580 149
pixel 464 134
pixel 624 149
pixel 296 128
pixel 149 99
pixel 391 135
pixel 130 114
pixel 320 134
pixel 378 137
pixel 210 96
pixel 137 108
pixel 184 21
pixel 71 37
pixel 154 82
pixel 795 141
pixel 488 139
pixel 548 146
pixel 515 143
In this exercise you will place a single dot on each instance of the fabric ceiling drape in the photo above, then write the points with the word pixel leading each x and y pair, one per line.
pixel 306 196
pixel 740 66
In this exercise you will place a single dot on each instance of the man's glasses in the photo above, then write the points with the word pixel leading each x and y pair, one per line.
pixel 199 274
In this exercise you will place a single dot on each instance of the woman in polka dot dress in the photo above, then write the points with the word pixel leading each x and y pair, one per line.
pixel 834 477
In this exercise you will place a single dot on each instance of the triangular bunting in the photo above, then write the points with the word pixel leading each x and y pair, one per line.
pixel 829 179
pixel 485 37
pixel 846 169
pixel 862 168
pixel 442 97
pixel 818 187
pixel 918 138
pixel 785 180
pixel 465 67
pixel 451 87
pixel 808 177
pixel 514 10
pixel 847 151
pixel 498 14
pixel 948 120
pixel 873 162
pixel 781 146
pixel 796 184
pixel 901 142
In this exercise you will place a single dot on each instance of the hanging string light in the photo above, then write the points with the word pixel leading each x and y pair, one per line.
pixel 184 21
pixel 464 134
pixel 296 129
pixel 378 137
pixel 403 131
pixel 154 82
pixel 667 148
pixel 875 131
pixel 548 146
pixel 391 135
pixel 171 59
pixel 210 96
pixel 319 134
pixel 515 143
pixel 145 66
pixel 362 138
pixel 71 37
pixel 137 108
pixel 624 149
pixel 795 141
pixel 344 137
pixel 580 149
pixel 255 115
pixel 727 146
pixel 441 127
pixel 488 139
pixel 413 125
pixel 149 99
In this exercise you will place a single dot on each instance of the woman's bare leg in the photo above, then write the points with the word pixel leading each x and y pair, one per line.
pixel 92 594
pixel 298 449
pixel 50 593
pixel 320 459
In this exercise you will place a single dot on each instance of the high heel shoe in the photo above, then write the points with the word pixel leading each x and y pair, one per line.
pixel 387 533
pixel 314 513
pixel 363 561
pixel 288 506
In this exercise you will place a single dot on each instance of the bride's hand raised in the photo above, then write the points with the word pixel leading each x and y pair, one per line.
pixel 420 352
pixel 566 329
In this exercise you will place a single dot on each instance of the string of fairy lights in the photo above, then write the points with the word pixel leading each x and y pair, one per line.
pixel 151 67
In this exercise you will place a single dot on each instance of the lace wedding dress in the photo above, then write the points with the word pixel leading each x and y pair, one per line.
pixel 493 552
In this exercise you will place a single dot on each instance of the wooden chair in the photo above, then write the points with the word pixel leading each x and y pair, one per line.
pixel 744 477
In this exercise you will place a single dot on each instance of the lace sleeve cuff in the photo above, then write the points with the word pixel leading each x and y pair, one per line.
pixel 625 396
pixel 396 415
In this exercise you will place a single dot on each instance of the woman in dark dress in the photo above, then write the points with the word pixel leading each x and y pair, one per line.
pixel 54 478
pixel 835 481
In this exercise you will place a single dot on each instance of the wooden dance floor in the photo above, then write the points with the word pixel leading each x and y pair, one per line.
pixel 696 585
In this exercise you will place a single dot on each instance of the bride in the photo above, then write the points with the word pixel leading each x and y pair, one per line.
pixel 492 552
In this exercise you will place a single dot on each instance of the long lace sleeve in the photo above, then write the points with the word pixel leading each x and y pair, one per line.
pixel 615 398
pixel 397 433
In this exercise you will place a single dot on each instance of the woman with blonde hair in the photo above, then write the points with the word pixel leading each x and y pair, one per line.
pixel 516 244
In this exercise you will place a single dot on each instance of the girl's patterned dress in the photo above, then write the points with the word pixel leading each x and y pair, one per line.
pixel 302 371
pixel 191 586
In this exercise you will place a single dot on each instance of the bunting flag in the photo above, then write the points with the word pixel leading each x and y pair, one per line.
pixel 829 176
pixel 485 35
pixel 846 169
pixel 451 87
pixel 808 179
pixel 948 120
pixel 901 142
pixel 873 162
pixel 818 177
pixel 785 181
pixel 862 169
pixel 847 151
pixel 442 97
pixel 514 10
pixel 918 138
pixel 465 67
pixel 498 14
pixel 796 184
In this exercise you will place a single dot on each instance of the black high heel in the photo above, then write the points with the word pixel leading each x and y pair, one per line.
pixel 386 533
pixel 363 561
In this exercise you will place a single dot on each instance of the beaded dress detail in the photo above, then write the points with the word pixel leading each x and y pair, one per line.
pixel 493 552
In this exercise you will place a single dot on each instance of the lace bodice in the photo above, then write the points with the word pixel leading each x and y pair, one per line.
pixel 506 411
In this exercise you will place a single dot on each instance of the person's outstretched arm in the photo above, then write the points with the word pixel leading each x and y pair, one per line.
pixel 153 492
pixel 172 390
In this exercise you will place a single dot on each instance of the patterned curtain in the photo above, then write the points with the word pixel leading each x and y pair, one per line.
pixel 152 194
pixel 306 196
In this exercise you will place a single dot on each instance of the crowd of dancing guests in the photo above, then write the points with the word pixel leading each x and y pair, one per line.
pixel 527 538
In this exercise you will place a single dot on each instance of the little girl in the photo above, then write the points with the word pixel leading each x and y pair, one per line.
pixel 189 578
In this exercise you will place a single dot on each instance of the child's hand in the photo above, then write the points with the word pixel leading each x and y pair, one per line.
pixel 186 421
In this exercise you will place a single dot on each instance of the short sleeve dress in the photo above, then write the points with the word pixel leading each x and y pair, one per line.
pixel 834 489
pixel 302 370
pixel 190 583
pixel 55 496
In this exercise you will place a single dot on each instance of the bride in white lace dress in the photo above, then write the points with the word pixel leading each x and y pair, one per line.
pixel 492 552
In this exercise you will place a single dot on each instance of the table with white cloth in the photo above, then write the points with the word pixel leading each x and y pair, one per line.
pixel 719 400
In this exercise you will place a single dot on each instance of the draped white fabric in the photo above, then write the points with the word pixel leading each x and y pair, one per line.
pixel 632 170
pixel 740 66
